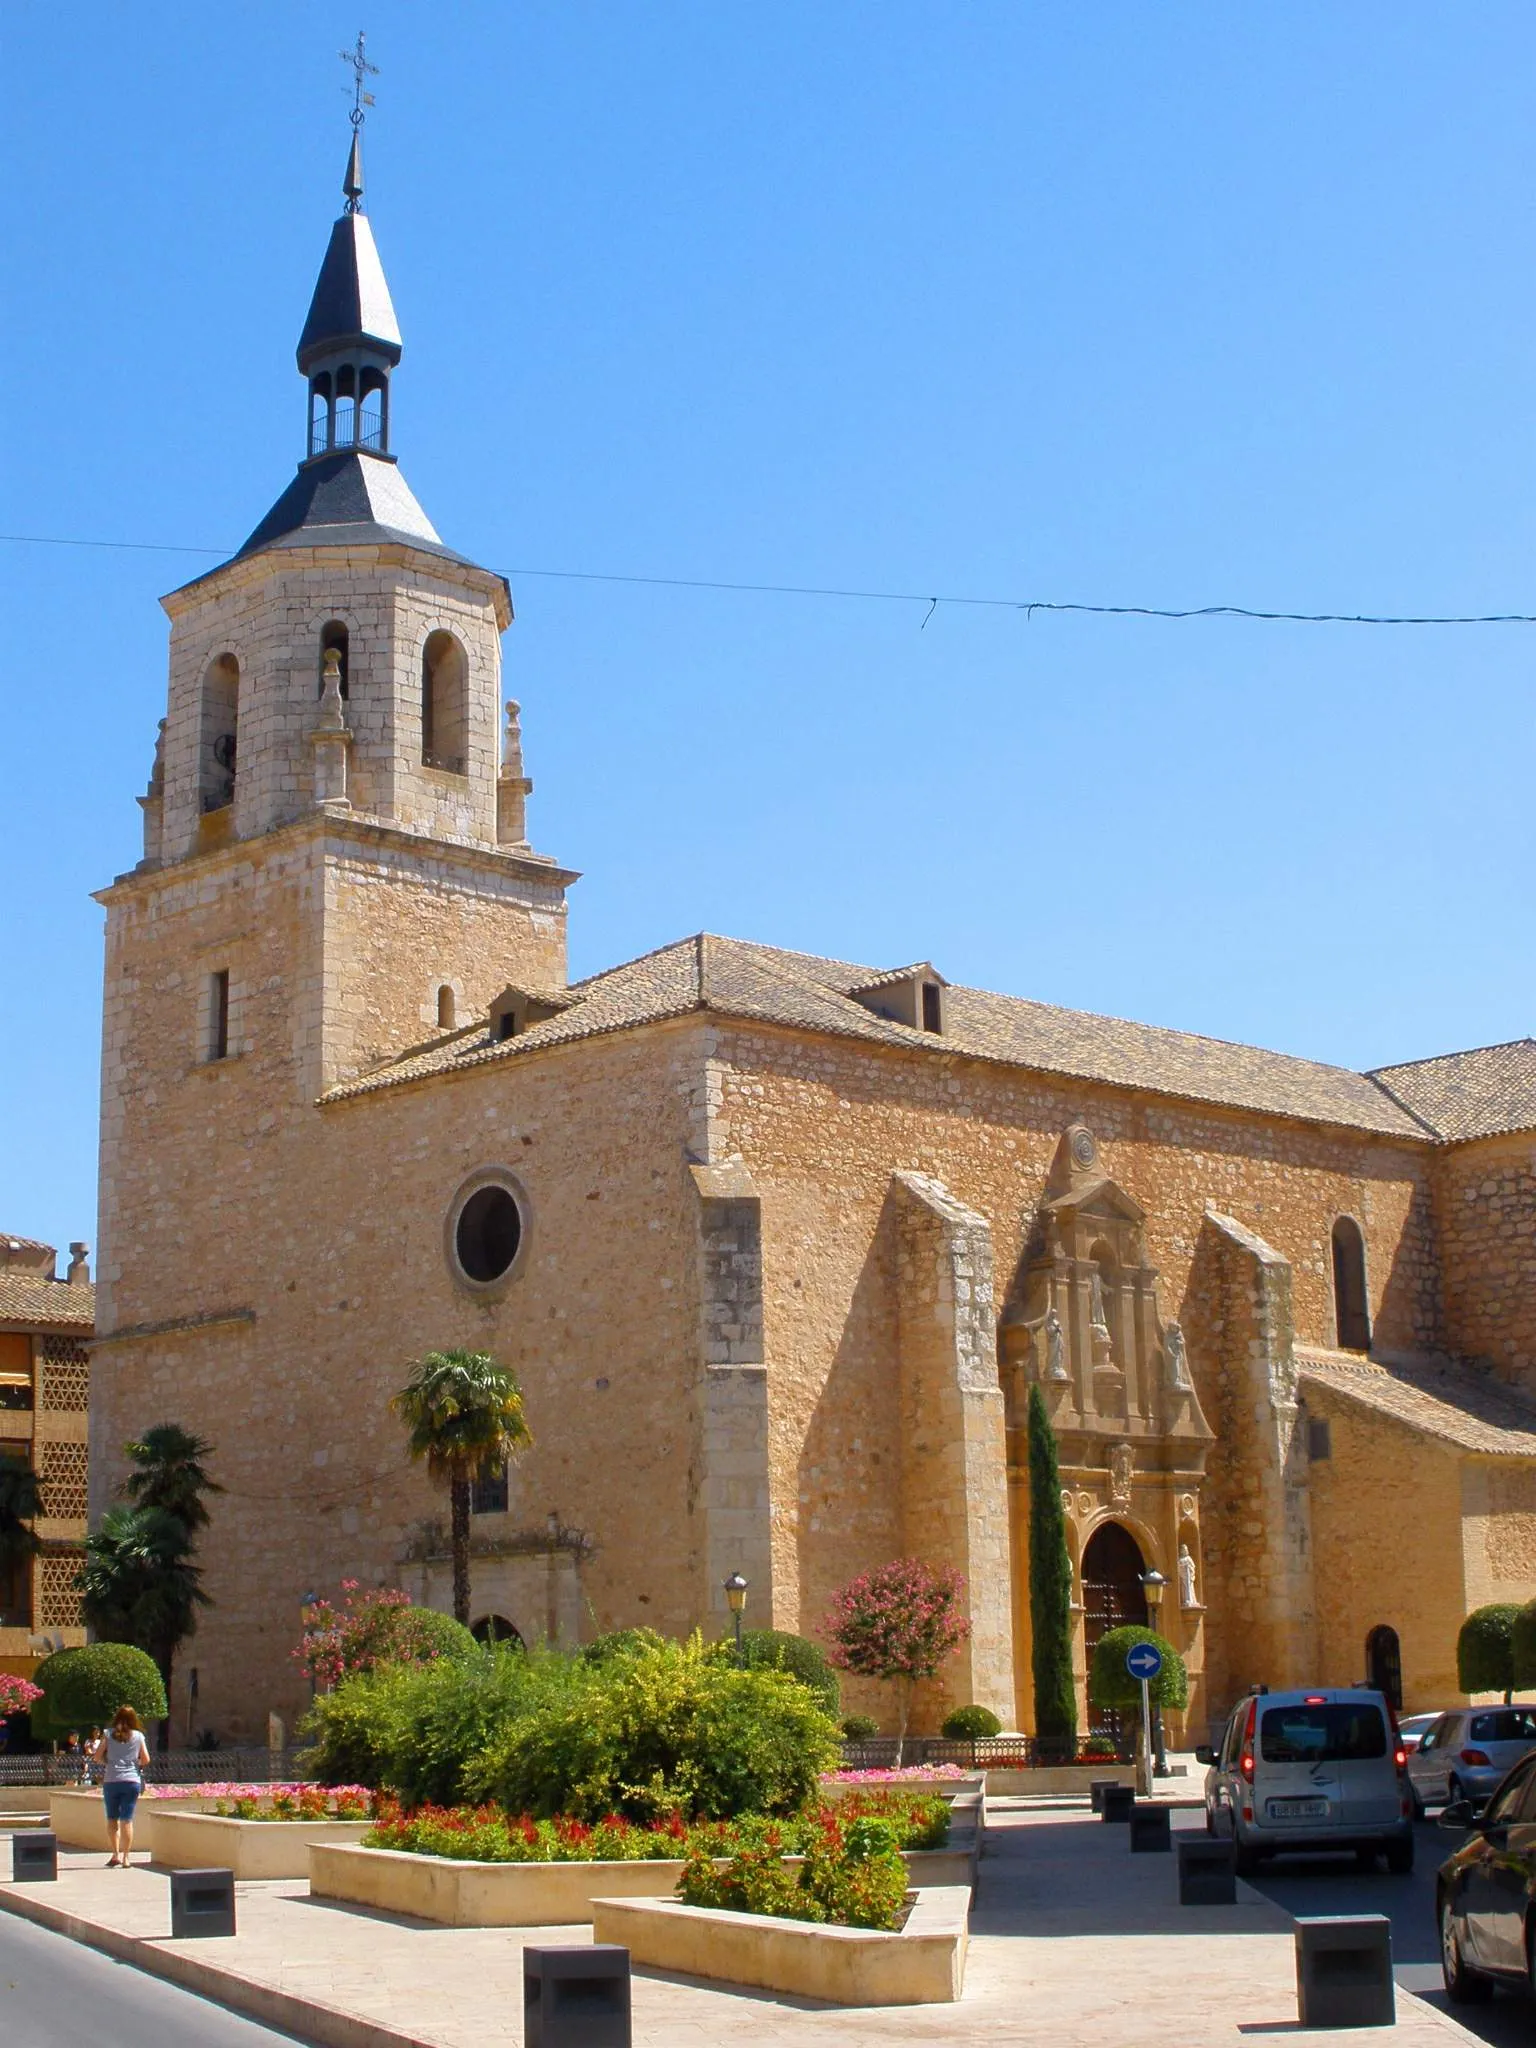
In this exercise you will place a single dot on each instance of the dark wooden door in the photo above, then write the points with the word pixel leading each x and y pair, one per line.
pixel 1113 1596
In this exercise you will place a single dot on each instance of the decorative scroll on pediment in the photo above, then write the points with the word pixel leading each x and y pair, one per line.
pixel 1082 1318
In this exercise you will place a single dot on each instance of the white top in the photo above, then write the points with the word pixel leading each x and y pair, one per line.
pixel 125 1758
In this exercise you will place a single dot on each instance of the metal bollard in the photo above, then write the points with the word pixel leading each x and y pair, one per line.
pixel 1151 1829
pixel 34 1857
pixel 1116 1801
pixel 202 1902
pixel 1207 1871
pixel 576 1997
pixel 1096 1791
pixel 1344 1971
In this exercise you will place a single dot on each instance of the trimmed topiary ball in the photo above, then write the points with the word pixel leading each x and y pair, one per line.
pixel 773 1649
pixel 1485 1650
pixel 83 1689
pixel 1111 1685
pixel 967 1724
pixel 860 1728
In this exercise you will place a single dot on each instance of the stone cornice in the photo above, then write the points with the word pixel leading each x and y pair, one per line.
pixel 337 829
pixel 250 571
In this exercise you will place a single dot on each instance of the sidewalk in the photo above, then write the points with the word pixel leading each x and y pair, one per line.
pixel 1072 1938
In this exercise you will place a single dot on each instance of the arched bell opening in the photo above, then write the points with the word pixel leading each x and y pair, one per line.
pixel 333 634
pixel 444 704
pixel 220 713
pixel 320 413
pixel 373 411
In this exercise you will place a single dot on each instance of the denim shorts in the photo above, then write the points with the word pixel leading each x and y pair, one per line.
pixel 121 1799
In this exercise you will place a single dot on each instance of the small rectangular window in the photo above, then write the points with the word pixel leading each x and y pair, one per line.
pixel 1319 1440
pixel 932 1014
pixel 488 1493
pixel 218 1015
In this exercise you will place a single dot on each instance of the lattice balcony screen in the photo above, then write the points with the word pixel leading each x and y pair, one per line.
pixel 62 1469
pixel 58 1604
pixel 64 1377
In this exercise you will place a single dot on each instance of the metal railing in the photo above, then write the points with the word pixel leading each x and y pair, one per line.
pixel 985 1752
pixel 166 1767
pixel 347 434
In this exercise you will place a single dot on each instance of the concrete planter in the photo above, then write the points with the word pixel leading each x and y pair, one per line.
pixel 922 1965
pixel 250 1848
pixel 79 1818
pixel 464 1894
pixel 1054 1778
pixel 459 1893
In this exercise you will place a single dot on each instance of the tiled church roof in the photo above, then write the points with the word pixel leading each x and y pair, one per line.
pixel 804 992
pixel 32 1298
pixel 1436 1397
pixel 1469 1094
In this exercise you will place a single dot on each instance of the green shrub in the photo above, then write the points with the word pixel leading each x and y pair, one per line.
pixel 667 1728
pixel 1485 1650
pixel 772 1649
pixel 1522 1646
pixel 411 1729
pixel 619 1642
pixel 966 1724
pixel 1111 1685
pixel 860 1727
pixel 83 1688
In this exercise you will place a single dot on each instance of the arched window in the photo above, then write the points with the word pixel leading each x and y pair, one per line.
pixel 344 411
pixel 1384 1663
pixel 1351 1306
pixel 495 1628
pixel 373 411
pixel 217 740
pixel 333 634
pixel 445 1009
pixel 444 704
pixel 320 413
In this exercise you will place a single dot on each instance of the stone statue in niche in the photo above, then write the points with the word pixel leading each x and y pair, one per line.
pixel 1055 1348
pixel 1186 1578
pixel 1177 1357
pixel 1122 1467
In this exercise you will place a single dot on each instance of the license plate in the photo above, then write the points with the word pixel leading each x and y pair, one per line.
pixel 1298 1809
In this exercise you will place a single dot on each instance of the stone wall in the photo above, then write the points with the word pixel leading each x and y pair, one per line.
pixel 1387 1527
pixel 1485 1205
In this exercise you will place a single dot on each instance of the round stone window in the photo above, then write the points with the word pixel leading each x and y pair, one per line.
pixel 486 1230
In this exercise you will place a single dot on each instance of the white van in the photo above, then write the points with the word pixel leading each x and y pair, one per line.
pixel 1300 1771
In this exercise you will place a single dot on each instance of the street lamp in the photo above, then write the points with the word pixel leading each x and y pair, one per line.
pixel 1153 1585
pixel 736 1600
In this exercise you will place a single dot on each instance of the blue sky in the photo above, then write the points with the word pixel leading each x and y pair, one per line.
pixel 1128 304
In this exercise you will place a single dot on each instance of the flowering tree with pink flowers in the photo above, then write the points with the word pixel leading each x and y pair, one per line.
pixel 898 1623
pixel 17 1694
pixel 371 1627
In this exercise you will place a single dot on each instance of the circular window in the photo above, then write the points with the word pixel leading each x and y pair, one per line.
pixel 487 1228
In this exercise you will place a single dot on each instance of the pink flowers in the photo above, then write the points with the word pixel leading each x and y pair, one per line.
pixel 894 1774
pixel 17 1694
pixel 899 1621
pixel 366 1629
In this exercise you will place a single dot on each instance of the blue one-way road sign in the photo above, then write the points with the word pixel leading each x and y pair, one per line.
pixel 1144 1660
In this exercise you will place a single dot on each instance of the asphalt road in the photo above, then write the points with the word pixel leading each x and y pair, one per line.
pixel 1332 1884
pixel 56 1994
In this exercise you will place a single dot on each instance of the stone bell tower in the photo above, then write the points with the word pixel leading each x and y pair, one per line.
pixel 335 863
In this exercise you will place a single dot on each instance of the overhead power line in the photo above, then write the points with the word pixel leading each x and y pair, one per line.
pixel 1028 605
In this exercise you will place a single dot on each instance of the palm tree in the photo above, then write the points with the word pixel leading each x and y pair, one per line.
pixel 171 1474
pixel 139 1585
pixel 462 1412
pixel 21 1502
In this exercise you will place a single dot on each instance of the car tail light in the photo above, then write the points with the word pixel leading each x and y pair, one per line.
pixel 1476 1756
pixel 1315 1699
pixel 1399 1752
pixel 1245 1760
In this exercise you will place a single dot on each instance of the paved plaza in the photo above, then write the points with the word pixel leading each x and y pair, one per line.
pixel 1073 1939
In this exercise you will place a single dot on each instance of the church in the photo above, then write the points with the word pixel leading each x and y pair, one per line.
pixel 777 1245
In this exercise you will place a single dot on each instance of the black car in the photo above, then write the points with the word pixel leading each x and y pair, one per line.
pixel 1486 1892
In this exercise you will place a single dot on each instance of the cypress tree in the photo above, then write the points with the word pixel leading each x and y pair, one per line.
pixel 1050 1589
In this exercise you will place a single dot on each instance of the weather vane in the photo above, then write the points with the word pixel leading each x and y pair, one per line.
pixel 361 69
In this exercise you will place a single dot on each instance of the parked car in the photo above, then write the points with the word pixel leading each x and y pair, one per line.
pixel 1467 1753
pixel 1486 1892
pixel 1412 1727
pixel 1300 1772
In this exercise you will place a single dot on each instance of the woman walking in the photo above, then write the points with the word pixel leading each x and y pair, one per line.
pixel 123 1752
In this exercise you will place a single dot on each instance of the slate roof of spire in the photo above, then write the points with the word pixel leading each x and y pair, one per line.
pixel 804 992
pixel 346 496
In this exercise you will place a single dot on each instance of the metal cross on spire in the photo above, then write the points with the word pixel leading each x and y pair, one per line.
pixel 352 184
pixel 361 69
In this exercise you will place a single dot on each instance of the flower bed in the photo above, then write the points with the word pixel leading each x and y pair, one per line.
pixel 79 1819
pixel 307 1803
pixel 484 1834
pixel 922 1964
pixel 265 1848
